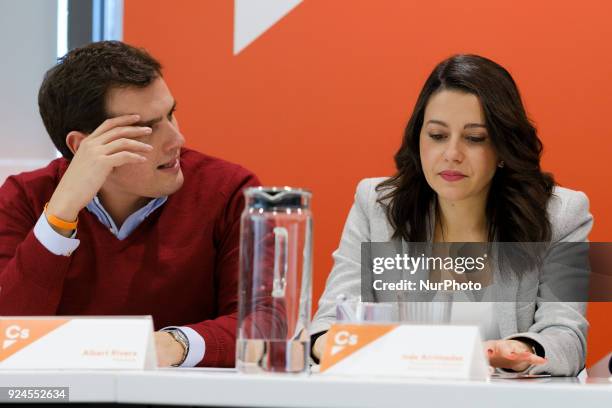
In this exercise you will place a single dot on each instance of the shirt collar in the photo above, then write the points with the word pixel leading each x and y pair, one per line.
pixel 131 223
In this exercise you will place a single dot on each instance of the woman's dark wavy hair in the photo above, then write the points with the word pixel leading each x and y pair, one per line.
pixel 517 200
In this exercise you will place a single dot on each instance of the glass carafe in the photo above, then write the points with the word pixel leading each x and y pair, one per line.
pixel 275 289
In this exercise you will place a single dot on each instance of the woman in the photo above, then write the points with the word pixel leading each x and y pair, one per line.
pixel 469 170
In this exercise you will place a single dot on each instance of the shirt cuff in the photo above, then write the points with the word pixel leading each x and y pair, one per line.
pixel 56 243
pixel 197 345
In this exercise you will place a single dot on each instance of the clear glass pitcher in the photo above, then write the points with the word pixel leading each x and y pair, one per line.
pixel 275 289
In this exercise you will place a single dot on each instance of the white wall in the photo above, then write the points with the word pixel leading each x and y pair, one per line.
pixel 28 47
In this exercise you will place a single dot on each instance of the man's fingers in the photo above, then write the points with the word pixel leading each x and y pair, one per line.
pixel 123 132
pixel 124 157
pixel 111 123
pixel 118 145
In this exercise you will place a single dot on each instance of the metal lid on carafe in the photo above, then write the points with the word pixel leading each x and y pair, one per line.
pixel 277 197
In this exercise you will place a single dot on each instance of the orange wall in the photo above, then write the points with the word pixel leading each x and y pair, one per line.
pixel 321 99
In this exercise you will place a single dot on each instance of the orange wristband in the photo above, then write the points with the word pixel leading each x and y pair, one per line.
pixel 59 223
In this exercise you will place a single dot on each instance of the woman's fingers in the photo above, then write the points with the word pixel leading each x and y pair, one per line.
pixel 511 354
pixel 519 351
pixel 533 358
pixel 524 357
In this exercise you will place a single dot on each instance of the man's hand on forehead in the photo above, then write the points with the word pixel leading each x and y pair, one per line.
pixel 150 122
pixel 125 126
pixel 110 146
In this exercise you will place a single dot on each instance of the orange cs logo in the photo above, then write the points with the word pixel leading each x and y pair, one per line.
pixel 12 334
pixel 342 339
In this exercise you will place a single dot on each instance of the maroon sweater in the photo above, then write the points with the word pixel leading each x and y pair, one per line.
pixel 180 265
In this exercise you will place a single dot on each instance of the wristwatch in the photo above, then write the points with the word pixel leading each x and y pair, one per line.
pixel 182 339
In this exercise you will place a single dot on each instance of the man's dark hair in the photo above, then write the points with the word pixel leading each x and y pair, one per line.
pixel 73 93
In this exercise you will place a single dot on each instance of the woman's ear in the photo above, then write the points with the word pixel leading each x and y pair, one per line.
pixel 74 139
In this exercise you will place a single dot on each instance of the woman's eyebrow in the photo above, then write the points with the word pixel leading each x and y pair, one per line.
pixel 474 125
pixel 467 126
pixel 437 122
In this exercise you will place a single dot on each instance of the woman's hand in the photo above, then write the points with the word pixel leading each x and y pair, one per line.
pixel 319 346
pixel 511 354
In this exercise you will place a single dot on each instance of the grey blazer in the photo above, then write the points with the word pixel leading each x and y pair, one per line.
pixel 559 327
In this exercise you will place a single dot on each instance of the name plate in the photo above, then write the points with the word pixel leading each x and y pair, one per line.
pixel 77 343
pixel 405 350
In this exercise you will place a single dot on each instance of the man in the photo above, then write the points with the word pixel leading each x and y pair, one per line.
pixel 158 224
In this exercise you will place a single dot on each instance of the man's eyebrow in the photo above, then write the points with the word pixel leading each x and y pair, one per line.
pixel 151 122
pixel 148 123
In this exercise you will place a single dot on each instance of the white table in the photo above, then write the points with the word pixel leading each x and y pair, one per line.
pixel 231 389
pixel 225 388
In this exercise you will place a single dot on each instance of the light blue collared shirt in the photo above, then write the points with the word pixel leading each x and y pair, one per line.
pixel 131 223
pixel 60 245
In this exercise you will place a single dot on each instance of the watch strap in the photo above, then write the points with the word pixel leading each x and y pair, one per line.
pixel 182 339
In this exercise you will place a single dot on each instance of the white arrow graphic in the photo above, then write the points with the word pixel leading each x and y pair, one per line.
pixel 336 349
pixel 252 18
pixel 8 343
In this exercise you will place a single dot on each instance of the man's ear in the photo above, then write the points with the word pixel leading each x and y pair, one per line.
pixel 74 139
